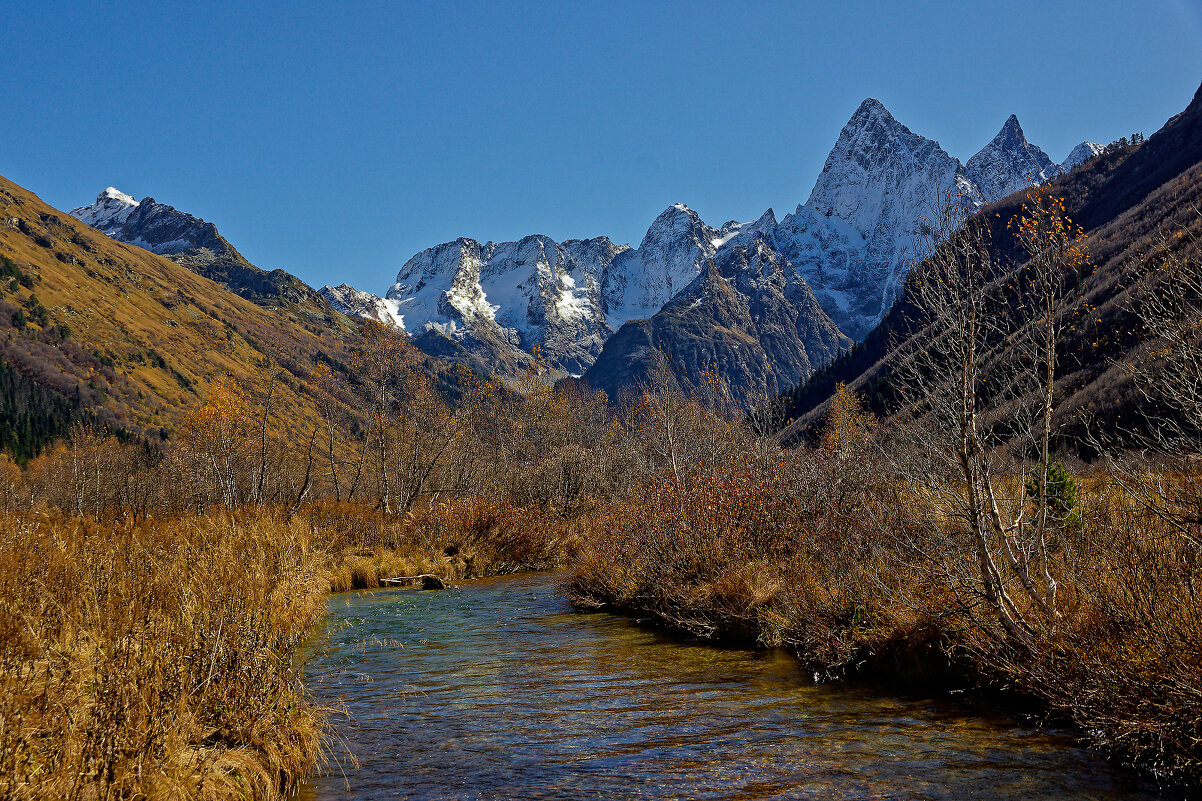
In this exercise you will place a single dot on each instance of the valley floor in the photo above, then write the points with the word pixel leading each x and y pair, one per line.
pixel 153 656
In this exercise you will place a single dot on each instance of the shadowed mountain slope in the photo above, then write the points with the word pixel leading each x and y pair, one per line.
pixel 749 316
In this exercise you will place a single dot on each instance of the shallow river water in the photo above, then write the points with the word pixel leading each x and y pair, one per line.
pixel 499 690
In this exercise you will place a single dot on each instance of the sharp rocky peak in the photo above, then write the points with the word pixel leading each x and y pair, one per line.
pixel 1009 163
pixel 869 112
pixel 676 221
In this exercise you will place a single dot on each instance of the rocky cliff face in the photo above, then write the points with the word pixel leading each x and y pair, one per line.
pixel 637 283
pixel 348 300
pixel 192 242
pixel 749 313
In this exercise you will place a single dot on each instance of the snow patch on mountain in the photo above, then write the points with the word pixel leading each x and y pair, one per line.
pixel 1081 154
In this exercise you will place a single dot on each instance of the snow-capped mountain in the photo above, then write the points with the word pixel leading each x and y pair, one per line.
pixel 110 211
pixel 348 300
pixel 1081 154
pixel 565 297
pixel 850 242
pixel 1009 163
pixel 510 294
pixel 192 242
pixel 854 237
pixel 637 283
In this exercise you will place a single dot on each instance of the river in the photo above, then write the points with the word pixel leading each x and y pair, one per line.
pixel 498 689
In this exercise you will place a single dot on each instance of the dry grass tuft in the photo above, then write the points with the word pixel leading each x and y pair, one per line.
pixel 152 658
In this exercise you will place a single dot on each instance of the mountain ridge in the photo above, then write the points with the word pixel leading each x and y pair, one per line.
pixel 851 241
pixel 194 243
pixel 1124 198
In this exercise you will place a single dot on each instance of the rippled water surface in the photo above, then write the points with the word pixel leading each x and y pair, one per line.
pixel 500 690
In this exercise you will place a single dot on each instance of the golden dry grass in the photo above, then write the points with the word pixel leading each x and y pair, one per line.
pixel 155 658
pixel 152 658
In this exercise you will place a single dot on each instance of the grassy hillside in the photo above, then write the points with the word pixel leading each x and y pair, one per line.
pixel 93 328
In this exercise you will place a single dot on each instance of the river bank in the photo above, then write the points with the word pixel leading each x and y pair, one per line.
pixel 153 657
pixel 831 559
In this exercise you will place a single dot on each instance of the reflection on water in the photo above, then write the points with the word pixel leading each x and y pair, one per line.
pixel 499 690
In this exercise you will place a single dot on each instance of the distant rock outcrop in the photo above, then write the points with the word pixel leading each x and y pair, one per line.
pixel 1081 154
pixel 348 300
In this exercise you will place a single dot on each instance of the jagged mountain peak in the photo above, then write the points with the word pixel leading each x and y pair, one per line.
pixel 740 233
pixel 149 224
pixel 869 110
pixel 852 238
pixel 1011 134
pixel 1009 163
pixel 873 156
pixel 871 120
pixel 675 221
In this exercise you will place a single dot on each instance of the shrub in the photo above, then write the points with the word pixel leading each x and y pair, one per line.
pixel 1061 490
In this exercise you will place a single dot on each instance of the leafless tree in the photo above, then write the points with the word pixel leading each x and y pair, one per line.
pixel 980 383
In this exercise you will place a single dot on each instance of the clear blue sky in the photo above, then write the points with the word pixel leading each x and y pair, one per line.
pixel 337 139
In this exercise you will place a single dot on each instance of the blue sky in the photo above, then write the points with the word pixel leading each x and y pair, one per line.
pixel 337 139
